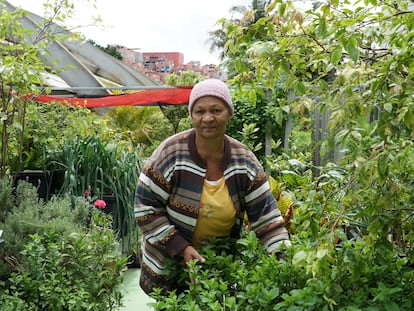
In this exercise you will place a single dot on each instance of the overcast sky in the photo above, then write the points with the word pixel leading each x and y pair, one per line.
pixel 152 25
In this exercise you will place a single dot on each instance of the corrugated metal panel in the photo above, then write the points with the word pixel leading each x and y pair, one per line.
pixel 81 63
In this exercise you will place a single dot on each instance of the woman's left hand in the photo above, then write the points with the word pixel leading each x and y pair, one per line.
pixel 190 253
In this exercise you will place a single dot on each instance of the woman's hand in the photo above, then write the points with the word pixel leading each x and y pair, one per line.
pixel 190 253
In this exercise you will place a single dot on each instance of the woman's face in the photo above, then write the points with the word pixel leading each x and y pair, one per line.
pixel 210 117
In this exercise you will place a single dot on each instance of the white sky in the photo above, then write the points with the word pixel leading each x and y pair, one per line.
pixel 151 25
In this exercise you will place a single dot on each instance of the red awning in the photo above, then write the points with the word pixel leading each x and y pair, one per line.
pixel 167 96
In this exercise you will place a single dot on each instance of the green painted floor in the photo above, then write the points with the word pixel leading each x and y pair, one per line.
pixel 134 298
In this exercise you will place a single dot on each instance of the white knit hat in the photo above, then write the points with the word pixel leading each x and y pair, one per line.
pixel 210 87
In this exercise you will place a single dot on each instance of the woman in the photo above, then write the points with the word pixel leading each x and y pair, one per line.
pixel 198 184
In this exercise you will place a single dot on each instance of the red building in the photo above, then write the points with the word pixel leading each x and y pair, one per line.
pixel 156 65
pixel 176 57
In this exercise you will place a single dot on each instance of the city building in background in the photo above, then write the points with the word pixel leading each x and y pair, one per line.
pixel 157 65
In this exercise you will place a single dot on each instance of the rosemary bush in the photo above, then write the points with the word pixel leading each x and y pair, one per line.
pixel 59 255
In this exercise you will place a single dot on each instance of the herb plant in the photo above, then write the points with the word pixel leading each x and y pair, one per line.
pixel 59 255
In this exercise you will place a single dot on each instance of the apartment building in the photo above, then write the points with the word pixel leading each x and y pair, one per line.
pixel 156 65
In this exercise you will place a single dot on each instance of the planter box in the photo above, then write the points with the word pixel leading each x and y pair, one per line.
pixel 45 184
pixel 118 214
pixel 39 179
pixel 111 207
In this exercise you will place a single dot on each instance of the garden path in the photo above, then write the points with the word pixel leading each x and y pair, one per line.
pixel 134 297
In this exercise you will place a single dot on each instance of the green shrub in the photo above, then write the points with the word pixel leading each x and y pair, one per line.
pixel 47 126
pixel 59 255
pixel 315 275
pixel 79 272
pixel 31 216
pixel 11 302
pixel 6 197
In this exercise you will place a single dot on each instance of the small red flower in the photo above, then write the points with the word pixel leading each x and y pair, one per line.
pixel 86 192
pixel 101 204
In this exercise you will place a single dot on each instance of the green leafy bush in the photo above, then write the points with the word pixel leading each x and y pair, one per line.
pixel 59 255
pixel 31 216
pixel 315 275
pixel 47 126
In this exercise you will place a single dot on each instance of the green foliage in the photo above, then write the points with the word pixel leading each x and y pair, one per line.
pixel 30 215
pixel 312 55
pixel 185 78
pixel 22 75
pixel 59 255
pixel 353 67
pixel 87 164
pixel 352 227
pixel 94 167
pixel 46 128
pixel 135 123
pixel 109 49
pixel 318 275
pixel 6 197
pixel 249 137
pixel 51 279
pixel 175 114
pixel 259 103
pixel 124 181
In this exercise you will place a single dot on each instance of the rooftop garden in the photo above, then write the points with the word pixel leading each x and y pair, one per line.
pixel 324 96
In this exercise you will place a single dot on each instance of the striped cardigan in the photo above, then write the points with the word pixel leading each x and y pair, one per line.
pixel 168 195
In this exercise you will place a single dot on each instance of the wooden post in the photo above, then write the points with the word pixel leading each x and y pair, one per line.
pixel 268 132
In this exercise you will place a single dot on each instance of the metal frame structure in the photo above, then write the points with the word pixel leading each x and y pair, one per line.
pixel 81 65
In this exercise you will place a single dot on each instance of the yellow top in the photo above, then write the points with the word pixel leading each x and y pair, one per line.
pixel 217 214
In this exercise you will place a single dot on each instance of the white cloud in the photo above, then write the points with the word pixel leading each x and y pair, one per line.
pixel 153 25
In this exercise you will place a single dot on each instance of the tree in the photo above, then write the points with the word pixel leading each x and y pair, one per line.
pixel 355 62
pixel 218 36
pixel 353 229
pixel 259 120
pixel 22 69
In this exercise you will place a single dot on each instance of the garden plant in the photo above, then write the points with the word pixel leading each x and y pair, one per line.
pixel 22 78
pixel 99 168
pixel 59 255
pixel 329 91
pixel 60 252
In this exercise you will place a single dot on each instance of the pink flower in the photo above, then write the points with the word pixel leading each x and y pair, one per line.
pixel 101 204
pixel 86 192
